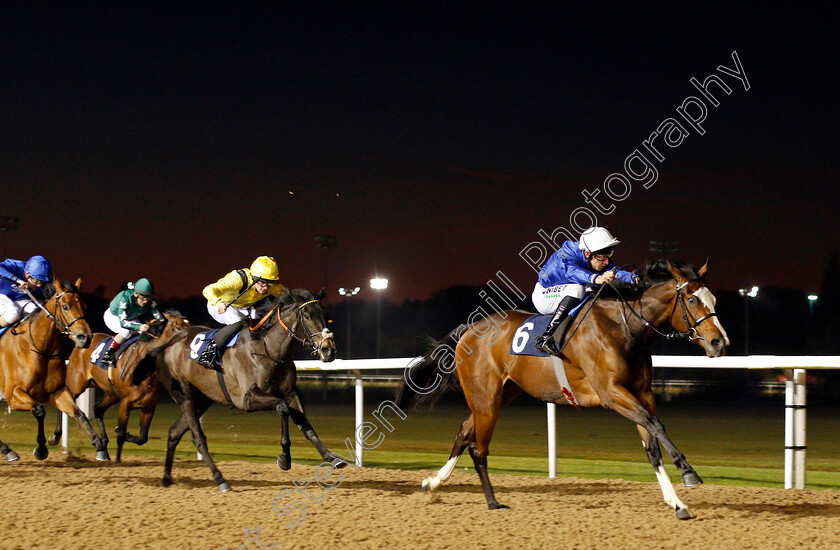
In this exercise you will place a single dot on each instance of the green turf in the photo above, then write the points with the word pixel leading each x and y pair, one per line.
pixel 731 445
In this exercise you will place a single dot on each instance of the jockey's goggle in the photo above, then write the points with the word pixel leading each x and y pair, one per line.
pixel 604 254
pixel 263 281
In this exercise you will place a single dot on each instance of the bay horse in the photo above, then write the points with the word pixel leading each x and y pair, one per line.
pixel 32 362
pixel 257 374
pixel 116 383
pixel 606 360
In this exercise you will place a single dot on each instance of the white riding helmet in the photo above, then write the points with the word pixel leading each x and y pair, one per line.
pixel 597 238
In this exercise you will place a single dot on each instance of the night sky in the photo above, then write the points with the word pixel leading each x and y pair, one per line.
pixel 434 141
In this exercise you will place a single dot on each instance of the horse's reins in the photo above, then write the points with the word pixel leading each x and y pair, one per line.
pixel 582 317
pixel 63 328
pixel 60 325
pixel 691 334
pixel 309 341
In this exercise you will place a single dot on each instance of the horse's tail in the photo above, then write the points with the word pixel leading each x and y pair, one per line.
pixel 431 375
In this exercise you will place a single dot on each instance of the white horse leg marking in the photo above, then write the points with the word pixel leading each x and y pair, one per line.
pixel 433 482
pixel 668 492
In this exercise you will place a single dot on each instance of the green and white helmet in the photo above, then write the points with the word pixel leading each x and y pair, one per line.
pixel 144 287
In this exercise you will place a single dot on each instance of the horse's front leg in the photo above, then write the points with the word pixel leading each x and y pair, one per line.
pixel 654 455
pixel 99 412
pixel 122 426
pixel 258 400
pixel 299 418
pixel 63 401
pixel 10 455
pixel 619 399
pixel 41 451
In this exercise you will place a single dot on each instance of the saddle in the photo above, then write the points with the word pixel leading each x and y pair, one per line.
pixel 98 353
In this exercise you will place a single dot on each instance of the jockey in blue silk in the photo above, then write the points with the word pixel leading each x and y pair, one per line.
pixel 15 276
pixel 561 281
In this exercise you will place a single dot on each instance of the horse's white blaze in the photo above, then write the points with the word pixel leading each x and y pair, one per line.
pixel 433 482
pixel 668 492
pixel 708 300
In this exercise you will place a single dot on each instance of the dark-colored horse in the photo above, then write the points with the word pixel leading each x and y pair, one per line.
pixel 116 383
pixel 607 363
pixel 32 361
pixel 258 374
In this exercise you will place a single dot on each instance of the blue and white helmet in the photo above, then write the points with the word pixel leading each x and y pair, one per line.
pixel 597 238
pixel 39 268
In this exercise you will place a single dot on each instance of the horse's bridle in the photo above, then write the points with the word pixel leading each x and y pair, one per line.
pixel 691 334
pixel 309 340
pixel 59 323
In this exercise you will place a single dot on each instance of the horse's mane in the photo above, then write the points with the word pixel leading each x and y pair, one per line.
pixel 652 272
pixel 285 301
pixel 657 271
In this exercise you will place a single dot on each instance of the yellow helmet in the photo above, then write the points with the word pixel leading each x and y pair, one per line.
pixel 265 268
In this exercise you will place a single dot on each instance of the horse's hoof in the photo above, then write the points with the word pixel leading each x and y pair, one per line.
pixel 53 440
pixel 337 463
pixel 497 506
pixel 41 453
pixel 12 456
pixel 283 462
pixel 683 513
pixel 430 483
pixel 102 456
pixel 224 487
pixel 167 481
pixel 691 479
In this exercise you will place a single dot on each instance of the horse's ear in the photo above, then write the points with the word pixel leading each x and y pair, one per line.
pixel 702 271
pixel 321 294
pixel 79 283
pixel 680 278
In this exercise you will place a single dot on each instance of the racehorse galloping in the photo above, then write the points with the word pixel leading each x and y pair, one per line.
pixel 607 363
pixel 117 382
pixel 258 374
pixel 32 368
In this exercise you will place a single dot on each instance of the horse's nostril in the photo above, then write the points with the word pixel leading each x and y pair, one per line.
pixel 717 343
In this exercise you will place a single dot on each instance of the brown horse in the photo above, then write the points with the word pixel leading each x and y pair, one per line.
pixel 116 382
pixel 258 374
pixel 606 361
pixel 32 365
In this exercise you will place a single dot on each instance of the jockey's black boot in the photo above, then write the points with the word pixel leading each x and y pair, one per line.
pixel 546 343
pixel 208 357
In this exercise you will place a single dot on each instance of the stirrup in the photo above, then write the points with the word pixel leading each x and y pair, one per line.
pixel 207 359
pixel 549 346
pixel 109 359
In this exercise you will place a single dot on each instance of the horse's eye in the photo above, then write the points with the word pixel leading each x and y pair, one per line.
pixel 692 301
pixel 306 316
pixel 65 307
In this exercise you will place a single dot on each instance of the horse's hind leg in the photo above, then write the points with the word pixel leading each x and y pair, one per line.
pixel 479 449
pixel 466 435
pixel 56 436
